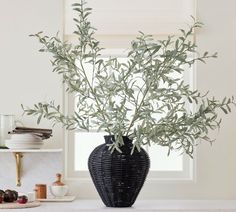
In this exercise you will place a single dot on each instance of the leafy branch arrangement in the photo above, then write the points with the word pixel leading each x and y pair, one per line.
pixel 144 98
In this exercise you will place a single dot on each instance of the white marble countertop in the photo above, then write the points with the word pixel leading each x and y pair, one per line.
pixel 140 206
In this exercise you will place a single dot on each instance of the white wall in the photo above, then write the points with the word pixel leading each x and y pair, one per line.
pixel 25 77
pixel 25 74
pixel 216 165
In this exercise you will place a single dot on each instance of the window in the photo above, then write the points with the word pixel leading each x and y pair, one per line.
pixel 115 33
pixel 81 144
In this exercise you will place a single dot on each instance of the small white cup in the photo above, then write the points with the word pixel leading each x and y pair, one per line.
pixel 31 196
pixel 59 191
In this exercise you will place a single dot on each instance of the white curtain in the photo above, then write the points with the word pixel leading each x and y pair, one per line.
pixel 127 17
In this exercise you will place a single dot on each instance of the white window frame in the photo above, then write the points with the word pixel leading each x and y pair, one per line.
pixel 189 165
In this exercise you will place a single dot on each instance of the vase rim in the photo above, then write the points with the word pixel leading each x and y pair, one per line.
pixel 124 136
pixel 108 140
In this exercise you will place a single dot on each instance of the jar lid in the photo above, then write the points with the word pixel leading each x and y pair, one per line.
pixel 39 185
pixel 58 181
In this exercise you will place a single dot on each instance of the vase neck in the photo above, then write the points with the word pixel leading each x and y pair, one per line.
pixel 109 139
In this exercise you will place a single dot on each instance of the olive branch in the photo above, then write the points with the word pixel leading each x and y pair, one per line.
pixel 139 98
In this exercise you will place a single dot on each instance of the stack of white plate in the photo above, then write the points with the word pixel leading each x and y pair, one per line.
pixel 24 141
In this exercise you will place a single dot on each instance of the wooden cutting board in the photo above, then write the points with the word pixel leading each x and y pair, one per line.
pixel 15 205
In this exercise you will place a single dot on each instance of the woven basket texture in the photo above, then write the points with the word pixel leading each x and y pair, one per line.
pixel 118 177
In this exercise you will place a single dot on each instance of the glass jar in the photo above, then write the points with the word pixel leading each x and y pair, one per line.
pixel 7 124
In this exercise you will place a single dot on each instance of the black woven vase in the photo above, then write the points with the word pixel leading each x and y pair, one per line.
pixel 118 177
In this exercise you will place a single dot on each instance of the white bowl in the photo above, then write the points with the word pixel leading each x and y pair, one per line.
pixel 59 191
pixel 21 145
pixel 25 137
pixel 12 141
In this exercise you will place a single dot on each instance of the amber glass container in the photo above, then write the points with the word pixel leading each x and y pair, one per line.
pixel 41 191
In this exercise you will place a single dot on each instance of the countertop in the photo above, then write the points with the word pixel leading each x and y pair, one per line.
pixel 140 206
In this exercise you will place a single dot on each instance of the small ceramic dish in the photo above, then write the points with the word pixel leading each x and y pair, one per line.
pixel 23 145
pixel 59 190
pixel 25 137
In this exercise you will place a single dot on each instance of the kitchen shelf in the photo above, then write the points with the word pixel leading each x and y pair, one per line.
pixel 18 155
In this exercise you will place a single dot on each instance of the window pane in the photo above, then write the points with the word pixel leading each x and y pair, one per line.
pixel 84 144
pixel 160 161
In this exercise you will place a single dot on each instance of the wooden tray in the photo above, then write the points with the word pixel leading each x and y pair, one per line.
pixel 15 205
pixel 58 199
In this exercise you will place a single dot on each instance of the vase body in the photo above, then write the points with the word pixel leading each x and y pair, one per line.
pixel 118 177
